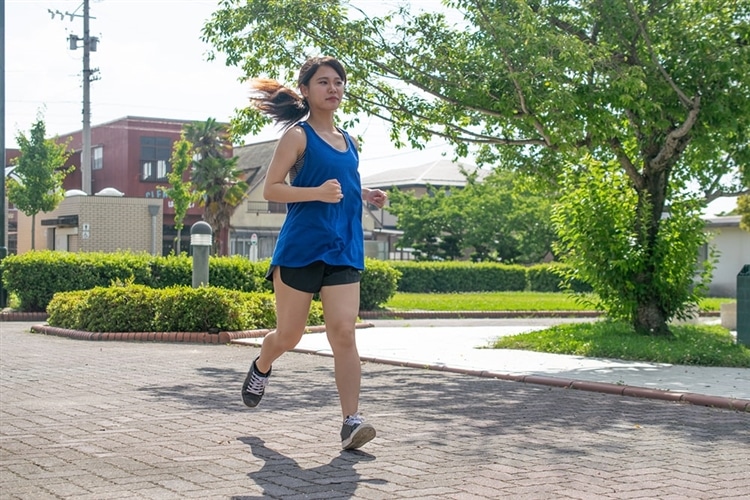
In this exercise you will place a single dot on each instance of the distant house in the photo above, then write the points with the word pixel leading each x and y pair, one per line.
pixel 732 245
pixel 438 174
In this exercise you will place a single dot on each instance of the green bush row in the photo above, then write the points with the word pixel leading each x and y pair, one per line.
pixel 139 308
pixel 36 276
pixel 457 277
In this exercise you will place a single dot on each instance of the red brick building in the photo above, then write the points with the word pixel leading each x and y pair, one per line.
pixel 131 155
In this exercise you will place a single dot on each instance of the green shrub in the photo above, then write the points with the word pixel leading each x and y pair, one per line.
pixel 36 276
pixel 171 271
pixel 457 277
pixel 128 308
pixel 183 309
pixel 137 308
pixel 66 308
pixel 378 285
pixel 233 273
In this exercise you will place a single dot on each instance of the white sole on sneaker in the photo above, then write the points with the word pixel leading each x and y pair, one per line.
pixel 361 436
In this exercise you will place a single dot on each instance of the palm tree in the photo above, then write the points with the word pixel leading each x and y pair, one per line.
pixel 216 176
pixel 209 138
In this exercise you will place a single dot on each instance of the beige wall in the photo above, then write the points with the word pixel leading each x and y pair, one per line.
pixel 105 224
pixel 733 247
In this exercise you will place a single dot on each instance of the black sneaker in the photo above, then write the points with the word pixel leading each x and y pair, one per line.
pixel 355 433
pixel 254 386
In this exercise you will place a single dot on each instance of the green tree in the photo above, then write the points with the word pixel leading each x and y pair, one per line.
pixel 424 225
pixel 216 177
pixel 180 190
pixel 500 218
pixel 599 222
pixel 743 209
pixel 661 88
pixel 36 183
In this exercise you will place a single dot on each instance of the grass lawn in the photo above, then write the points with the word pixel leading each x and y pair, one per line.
pixel 504 301
pixel 702 345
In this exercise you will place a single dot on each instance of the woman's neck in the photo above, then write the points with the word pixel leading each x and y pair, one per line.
pixel 322 123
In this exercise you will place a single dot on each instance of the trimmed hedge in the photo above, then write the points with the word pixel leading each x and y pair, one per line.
pixel 36 276
pixel 138 308
pixel 457 277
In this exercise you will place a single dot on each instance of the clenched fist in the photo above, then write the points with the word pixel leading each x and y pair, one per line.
pixel 376 197
pixel 330 191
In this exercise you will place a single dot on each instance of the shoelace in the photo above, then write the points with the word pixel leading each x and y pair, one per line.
pixel 257 384
pixel 355 419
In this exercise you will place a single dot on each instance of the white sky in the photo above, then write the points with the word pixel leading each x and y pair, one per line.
pixel 151 63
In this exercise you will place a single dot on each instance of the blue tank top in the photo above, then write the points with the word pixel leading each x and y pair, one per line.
pixel 318 231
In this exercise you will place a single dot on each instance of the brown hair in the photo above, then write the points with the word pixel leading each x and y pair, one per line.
pixel 283 104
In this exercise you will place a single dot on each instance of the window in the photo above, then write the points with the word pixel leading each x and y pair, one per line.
pixel 97 158
pixel 155 154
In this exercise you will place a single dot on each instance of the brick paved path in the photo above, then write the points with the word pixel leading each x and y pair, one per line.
pixel 99 420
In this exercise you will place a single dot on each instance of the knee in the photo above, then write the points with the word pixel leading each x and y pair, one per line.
pixel 283 340
pixel 341 338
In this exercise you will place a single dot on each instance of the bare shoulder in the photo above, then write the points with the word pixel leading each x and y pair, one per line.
pixel 293 139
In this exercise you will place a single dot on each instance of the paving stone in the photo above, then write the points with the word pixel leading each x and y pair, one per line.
pixel 98 420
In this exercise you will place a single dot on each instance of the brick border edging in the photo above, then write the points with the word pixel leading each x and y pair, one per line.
pixel 187 337
pixel 726 403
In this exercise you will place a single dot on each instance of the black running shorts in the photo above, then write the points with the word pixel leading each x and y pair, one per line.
pixel 313 277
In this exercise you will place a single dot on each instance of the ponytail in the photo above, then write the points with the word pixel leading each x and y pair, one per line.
pixel 282 104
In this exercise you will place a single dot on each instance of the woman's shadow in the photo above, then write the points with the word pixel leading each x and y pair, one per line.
pixel 282 477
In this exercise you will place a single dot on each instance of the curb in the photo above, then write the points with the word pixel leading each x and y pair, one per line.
pixel 187 337
pixel 741 405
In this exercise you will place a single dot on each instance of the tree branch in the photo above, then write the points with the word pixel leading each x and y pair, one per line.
pixel 676 136
pixel 462 134
pixel 684 99
pixel 627 165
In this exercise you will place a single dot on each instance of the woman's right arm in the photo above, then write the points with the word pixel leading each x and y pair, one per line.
pixel 290 147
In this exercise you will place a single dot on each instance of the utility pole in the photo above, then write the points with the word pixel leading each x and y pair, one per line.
pixel 89 44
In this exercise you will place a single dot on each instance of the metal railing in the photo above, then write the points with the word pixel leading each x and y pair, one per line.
pixel 265 207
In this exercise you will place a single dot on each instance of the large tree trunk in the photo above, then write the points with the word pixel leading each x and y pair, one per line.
pixel 652 185
pixel 650 319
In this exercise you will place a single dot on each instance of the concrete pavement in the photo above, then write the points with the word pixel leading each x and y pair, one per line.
pixel 97 420
pixel 460 345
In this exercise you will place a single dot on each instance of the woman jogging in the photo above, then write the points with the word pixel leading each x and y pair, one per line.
pixel 320 247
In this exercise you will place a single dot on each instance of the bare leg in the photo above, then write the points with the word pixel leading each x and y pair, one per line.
pixel 292 310
pixel 340 308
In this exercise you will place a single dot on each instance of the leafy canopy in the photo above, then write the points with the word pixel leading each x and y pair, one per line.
pixel 36 183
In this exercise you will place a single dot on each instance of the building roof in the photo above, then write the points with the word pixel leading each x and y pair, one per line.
pixel 254 159
pixel 723 221
pixel 437 173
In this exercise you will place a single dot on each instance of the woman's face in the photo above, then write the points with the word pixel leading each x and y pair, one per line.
pixel 325 89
